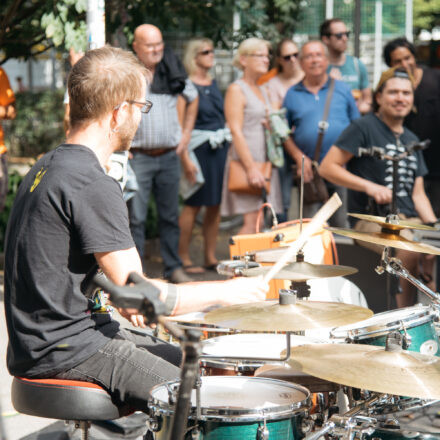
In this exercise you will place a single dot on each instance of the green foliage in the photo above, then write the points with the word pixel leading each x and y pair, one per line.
pixel 270 19
pixel 38 126
pixel 426 14
pixel 14 181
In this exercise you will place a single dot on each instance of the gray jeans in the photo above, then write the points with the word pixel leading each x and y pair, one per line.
pixel 128 367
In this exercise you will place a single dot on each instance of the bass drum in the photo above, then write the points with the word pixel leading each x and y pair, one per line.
pixel 234 407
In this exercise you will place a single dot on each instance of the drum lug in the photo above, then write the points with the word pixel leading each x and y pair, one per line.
pixel 263 432
pixel 154 423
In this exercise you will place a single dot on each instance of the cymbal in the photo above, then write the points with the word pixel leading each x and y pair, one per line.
pixel 402 373
pixel 273 316
pixel 384 239
pixel 396 225
pixel 302 271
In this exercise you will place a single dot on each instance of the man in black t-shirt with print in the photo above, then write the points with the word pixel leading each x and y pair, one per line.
pixel 370 179
pixel 68 219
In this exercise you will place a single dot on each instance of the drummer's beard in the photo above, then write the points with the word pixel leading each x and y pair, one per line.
pixel 126 134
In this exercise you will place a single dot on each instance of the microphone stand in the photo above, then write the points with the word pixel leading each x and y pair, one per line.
pixel 144 296
pixel 392 217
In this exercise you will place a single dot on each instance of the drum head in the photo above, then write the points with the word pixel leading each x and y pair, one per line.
pixel 251 345
pixel 238 398
pixel 385 322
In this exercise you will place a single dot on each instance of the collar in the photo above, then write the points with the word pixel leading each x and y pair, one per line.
pixel 301 87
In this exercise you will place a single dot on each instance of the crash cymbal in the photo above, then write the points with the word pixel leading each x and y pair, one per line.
pixel 302 271
pixel 273 316
pixel 385 239
pixel 403 373
pixel 395 225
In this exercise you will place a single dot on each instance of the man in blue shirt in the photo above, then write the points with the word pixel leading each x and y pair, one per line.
pixel 351 70
pixel 305 109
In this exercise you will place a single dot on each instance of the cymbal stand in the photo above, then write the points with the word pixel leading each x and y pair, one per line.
pixel 394 266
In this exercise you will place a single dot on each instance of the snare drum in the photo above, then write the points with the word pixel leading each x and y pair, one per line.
pixel 415 323
pixel 246 345
pixel 234 407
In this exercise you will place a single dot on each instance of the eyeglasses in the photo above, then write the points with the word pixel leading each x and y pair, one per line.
pixel 290 56
pixel 339 35
pixel 206 52
pixel 145 107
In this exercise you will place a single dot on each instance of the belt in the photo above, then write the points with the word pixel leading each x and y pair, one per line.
pixel 152 152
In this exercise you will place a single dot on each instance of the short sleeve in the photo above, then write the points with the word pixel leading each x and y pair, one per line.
pixel 353 111
pixel 100 217
pixel 363 76
pixel 422 169
pixel 189 92
pixel 286 101
pixel 351 139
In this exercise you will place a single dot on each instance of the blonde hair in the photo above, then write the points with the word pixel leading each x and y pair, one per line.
pixel 192 49
pixel 248 47
pixel 102 79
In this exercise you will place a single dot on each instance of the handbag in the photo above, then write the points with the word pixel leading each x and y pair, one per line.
pixel 316 190
pixel 238 181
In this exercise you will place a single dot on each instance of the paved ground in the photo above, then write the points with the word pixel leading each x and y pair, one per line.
pixel 17 426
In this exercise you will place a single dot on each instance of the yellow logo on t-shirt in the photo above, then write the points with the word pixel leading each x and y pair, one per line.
pixel 38 178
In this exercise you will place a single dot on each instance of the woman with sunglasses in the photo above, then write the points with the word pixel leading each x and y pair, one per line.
pixel 208 144
pixel 289 73
pixel 245 111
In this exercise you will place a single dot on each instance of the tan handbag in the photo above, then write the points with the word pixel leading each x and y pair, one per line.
pixel 238 181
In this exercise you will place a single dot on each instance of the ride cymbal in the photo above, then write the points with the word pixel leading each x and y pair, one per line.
pixel 273 316
pixel 385 239
pixel 302 271
pixel 402 372
pixel 397 224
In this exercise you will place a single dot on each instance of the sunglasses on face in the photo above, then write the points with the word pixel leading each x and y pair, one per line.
pixel 206 52
pixel 290 56
pixel 340 35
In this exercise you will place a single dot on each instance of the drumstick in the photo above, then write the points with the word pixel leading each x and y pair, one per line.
pixel 318 220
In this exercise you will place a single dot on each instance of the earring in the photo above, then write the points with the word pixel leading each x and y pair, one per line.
pixel 115 130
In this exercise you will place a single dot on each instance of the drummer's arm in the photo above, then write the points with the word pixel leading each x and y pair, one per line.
pixel 333 169
pixel 185 298
pixel 422 203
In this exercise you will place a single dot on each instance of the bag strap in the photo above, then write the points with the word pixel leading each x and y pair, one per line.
pixel 323 124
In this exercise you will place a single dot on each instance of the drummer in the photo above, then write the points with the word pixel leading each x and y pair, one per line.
pixel 370 179
pixel 68 219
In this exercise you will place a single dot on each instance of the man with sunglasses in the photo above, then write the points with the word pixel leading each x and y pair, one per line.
pixel 69 219
pixel 351 70
pixel 161 137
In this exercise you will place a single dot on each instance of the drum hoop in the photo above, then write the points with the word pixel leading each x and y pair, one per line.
pixel 233 415
pixel 411 321
pixel 224 364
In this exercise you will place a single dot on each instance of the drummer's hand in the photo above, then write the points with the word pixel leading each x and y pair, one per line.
pixel 381 194
pixel 244 290
pixel 255 177
pixel 133 316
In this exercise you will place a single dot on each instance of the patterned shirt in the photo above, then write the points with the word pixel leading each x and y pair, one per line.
pixel 160 127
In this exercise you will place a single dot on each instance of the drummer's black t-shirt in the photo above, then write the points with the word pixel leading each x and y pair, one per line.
pixel 369 131
pixel 66 209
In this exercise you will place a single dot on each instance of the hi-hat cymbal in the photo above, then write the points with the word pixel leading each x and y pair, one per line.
pixel 385 239
pixel 302 271
pixel 397 224
pixel 403 373
pixel 273 316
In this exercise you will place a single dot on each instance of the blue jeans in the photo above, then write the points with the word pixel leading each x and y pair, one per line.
pixel 160 175
pixel 128 367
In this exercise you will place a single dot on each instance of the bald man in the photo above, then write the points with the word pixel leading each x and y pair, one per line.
pixel 157 145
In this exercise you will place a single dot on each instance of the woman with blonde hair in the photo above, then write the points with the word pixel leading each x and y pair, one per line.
pixel 208 149
pixel 245 110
